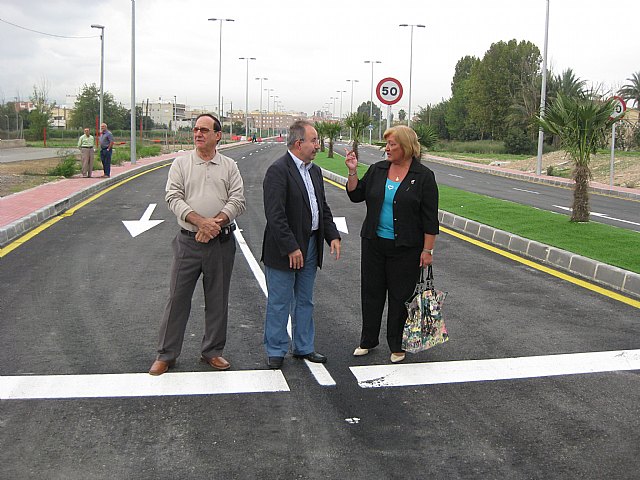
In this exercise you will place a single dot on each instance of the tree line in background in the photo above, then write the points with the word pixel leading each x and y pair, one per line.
pixel 498 97
pixel 85 111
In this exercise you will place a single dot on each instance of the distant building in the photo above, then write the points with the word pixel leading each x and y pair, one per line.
pixel 60 116
pixel 165 113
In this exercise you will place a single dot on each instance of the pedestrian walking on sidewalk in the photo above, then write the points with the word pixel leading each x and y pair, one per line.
pixel 106 149
pixel 85 144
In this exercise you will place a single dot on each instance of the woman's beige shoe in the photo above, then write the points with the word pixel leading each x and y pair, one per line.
pixel 397 357
pixel 358 352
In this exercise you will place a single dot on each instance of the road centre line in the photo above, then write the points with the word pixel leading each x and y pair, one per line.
pixel 461 371
pixel 28 387
pixel 526 191
pixel 452 175
pixel 319 371
pixel 601 215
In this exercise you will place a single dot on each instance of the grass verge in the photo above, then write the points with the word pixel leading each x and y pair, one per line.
pixel 604 243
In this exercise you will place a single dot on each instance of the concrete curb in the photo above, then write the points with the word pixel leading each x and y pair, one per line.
pixel 633 194
pixel 27 223
pixel 623 281
pixel 14 230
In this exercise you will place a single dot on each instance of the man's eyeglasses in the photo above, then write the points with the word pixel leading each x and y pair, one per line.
pixel 204 130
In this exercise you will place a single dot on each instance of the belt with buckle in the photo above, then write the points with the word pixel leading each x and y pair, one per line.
pixel 224 231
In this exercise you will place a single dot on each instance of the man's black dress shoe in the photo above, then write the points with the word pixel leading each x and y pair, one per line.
pixel 275 363
pixel 314 357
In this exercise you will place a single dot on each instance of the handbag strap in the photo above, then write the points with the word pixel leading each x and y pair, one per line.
pixel 425 281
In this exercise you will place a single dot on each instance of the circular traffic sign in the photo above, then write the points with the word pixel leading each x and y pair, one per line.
pixel 619 108
pixel 389 91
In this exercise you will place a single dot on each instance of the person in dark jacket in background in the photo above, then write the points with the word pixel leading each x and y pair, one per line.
pixel 398 234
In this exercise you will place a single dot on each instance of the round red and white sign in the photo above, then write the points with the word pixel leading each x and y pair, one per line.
pixel 619 108
pixel 389 91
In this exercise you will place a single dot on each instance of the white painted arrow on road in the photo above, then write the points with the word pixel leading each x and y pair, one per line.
pixel 136 227
pixel 341 224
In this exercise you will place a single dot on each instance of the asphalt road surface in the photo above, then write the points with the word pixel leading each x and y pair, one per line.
pixel 539 380
pixel 19 154
pixel 619 212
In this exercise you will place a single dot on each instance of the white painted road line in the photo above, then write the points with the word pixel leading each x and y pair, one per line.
pixel 602 215
pixel 526 191
pixel 321 374
pixel 457 176
pixel 141 384
pixel 376 376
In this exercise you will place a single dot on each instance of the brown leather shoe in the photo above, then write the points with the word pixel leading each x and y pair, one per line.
pixel 218 363
pixel 160 366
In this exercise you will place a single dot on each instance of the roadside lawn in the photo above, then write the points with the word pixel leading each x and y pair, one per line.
pixel 604 243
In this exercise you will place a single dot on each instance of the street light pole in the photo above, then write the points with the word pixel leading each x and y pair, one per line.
pixel 246 98
pixel 101 27
pixel 543 93
pixel 274 113
pixel 371 97
pixel 268 90
pixel 261 79
pixel 341 92
pixel 220 62
pixel 333 110
pixel 410 65
pixel 133 82
pixel 352 81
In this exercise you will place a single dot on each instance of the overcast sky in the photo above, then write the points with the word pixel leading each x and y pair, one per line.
pixel 307 50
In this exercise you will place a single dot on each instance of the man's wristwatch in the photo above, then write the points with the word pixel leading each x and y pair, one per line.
pixel 428 250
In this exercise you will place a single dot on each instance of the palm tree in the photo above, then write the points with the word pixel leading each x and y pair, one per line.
pixel 357 122
pixel 581 125
pixel 567 84
pixel 631 91
pixel 332 130
pixel 321 129
pixel 427 135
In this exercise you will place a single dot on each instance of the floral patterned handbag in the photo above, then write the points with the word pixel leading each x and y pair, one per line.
pixel 425 326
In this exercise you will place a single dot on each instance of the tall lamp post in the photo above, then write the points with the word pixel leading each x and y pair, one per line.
pixel 410 65
pixel 220 61
pixel 352 81
pixel 246 98
pixel 543 92
pixel 261 79
pixel 341 92
pixel 274 113
pixel 372 62
pixel 333 110
pixel 269 91
pixel 101 27
pixel 133 83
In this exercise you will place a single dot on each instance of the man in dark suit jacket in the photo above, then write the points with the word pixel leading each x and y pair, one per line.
pixel 298 221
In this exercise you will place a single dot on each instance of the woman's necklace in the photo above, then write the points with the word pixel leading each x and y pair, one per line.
pixel 397 179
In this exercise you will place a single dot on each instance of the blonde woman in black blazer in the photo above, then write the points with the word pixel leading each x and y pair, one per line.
pixel 398 234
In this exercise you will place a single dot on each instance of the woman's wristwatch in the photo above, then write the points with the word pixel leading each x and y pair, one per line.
pixel 428 250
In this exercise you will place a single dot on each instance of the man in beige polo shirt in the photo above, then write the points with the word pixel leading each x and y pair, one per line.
pixel 206 193
pixel 85 144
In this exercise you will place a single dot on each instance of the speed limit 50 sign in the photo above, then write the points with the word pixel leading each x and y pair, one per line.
pixel 389 91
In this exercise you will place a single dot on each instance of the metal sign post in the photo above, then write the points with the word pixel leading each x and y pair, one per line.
pixel 618 112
